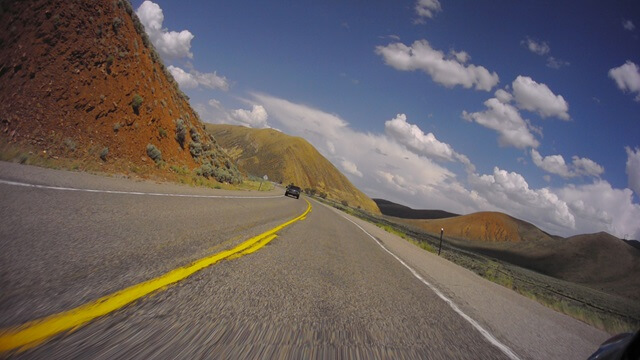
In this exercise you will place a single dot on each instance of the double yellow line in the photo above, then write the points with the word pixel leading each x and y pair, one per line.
pixel 37 331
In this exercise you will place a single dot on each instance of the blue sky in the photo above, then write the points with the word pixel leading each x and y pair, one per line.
pixel 526 107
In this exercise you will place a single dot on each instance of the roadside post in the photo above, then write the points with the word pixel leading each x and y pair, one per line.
pixel 264 178
pixel 440 247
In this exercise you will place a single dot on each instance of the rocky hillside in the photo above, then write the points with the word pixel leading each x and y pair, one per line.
pixel 81 80
pixel 287 159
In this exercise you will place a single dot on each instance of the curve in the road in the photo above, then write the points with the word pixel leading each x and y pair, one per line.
pixel 36 331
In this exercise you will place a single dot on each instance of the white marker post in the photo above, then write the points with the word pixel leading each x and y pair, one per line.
pixel 440 247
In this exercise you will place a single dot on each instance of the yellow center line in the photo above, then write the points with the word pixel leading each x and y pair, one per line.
pixel 36 331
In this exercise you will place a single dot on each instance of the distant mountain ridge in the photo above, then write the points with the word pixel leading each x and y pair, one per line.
pixel 392 209
pixel 288 159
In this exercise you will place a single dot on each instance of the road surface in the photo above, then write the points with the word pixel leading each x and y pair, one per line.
pixel 328 286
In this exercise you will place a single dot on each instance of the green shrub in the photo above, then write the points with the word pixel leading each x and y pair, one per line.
pixel 344 203
pixel 195 148
pixel 181 132
pixel 136 102
pixel 104 153
pixel 154 153
pixel 116 126
pixel 117 23
pixel 162 132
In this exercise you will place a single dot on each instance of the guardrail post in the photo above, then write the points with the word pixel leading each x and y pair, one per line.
pixel 440 247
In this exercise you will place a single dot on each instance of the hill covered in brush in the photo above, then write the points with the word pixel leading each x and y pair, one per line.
pixel 80 80
pixel 288 159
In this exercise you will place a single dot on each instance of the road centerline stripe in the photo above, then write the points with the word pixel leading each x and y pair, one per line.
pixel 36 331
pixel 487 335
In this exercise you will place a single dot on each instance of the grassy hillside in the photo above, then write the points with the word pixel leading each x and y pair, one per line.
pixel 287 159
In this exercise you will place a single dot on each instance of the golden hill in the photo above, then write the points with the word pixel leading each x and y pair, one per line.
pixel 80 80
pixel 287 159
pixel 483 226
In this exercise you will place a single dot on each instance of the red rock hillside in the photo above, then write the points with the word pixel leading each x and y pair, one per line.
pixel 80 80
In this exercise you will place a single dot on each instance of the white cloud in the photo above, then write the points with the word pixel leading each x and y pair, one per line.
pixel 422 144
pixel 350 167
pixel 427 9
pixel 506 120
pixel 256 118
pixel 628 25
pixel 532 96
pixel 556 63
pixel 627 77
pixel 503 96
pixel 539 48
pixel 194 79
pixel 555 164
pixel 445 71
pixel 584 166
pixel 633 169
pixel 170 44
pixel 510 192
pixel 600 207
pixel 461 56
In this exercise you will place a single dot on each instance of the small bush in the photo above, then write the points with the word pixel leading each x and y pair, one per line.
pixel 116 127
pixel 194 134
pixel 162 132
pixel 195 148
pixel 154 153
pixel 222 175
pixel 181 132
pixel 117 23
pixel 104 153
pixel 136 102
pixel 344 203
pixel 70 144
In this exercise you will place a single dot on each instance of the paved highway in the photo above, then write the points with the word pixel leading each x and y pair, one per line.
pixel 327 286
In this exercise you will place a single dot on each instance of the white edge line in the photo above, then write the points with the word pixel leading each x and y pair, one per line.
pixel 504 348
pixel 15 183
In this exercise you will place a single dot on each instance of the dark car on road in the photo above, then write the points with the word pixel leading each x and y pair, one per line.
pixel 293 191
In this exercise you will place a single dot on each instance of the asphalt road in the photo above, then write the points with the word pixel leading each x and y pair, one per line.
pixel 322 289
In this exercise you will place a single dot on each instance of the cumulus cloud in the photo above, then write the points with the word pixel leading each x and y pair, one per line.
pixel 256 118
pixel 427 9
pixel 447 71
pixel 422 144
pixel 627 77
pixel 510 192
pixel 555 164
pixel 194 79
pixel 536 47
pixel 170 44
pixel 214 112
pixel 506 120
pixel 633 169
pixel 600 207
pixel 628 25
pixel 532 96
